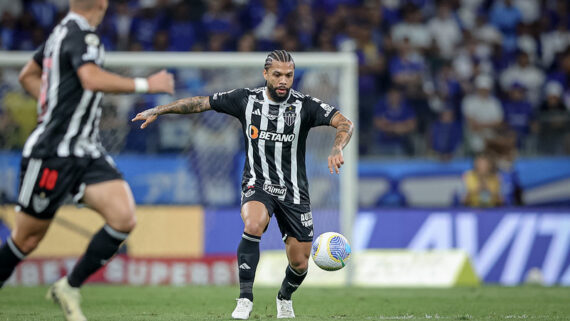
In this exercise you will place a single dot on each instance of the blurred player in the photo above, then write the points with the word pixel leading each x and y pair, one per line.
pixel 63 154
pixel 275 123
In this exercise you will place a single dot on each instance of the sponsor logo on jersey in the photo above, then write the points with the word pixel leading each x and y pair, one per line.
pixel 250 191
pixel 307 219
pixel 289 115
pixel 254 133
pixel 256 112
pixel 270 117
pixel 328 108
pixel 275 190
pixel 215 97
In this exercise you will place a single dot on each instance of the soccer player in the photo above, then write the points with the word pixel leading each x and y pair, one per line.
pixel 275 123
pixel 64 155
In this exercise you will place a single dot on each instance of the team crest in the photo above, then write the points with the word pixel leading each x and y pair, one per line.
pixel 289 115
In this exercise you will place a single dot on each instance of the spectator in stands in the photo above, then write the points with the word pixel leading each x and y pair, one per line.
pixel 44 13
pixel 8 31
pixel 263 20
pixel 303 24
pixel 554 135
pixel 406 69
pixel 247 43
pixel 371 65
pixel 181 30
pixel 395 122
pixel 445 135
pixel 482 185
pixel 445 30
pixel 483 114
pixel 554 43
pixel 412 29
pixel 562 75
pixel 505 16
pixel 519 114
pixel 145 25
pixel 531 77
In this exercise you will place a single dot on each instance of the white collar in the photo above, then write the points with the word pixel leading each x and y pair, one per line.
pixel 81 20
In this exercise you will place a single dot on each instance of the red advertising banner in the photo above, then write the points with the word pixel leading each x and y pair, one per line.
pixel 209 270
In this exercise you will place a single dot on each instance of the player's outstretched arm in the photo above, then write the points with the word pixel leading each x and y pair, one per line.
pixel 95 78
pixel 344 129
pixel 190 105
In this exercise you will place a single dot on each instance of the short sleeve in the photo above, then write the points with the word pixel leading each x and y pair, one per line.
pixel 320 112
pixel 39 55
pixel 231 102
pixel 82 48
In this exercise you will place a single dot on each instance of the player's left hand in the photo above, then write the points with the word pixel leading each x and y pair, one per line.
pixel 148 116
pixel 336 160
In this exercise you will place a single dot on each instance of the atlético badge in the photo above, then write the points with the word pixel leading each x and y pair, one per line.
pixel 290 115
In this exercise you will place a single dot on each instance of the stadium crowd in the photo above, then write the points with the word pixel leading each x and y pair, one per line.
pixel 442 78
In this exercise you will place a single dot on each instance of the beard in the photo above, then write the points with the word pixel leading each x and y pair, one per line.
pixel 275 96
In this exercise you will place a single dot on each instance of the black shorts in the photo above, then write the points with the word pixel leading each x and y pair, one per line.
pixel 46 183
pixel 295 220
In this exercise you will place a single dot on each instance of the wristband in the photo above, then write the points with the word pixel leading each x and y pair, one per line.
pixel 141 85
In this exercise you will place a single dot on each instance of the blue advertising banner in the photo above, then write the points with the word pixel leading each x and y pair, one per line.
pixel 504 244
pixel 224 227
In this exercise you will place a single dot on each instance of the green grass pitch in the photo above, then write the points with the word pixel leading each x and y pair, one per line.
pixel 216 303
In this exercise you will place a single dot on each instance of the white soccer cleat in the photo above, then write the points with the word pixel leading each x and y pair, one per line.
pixel 284 309
pixel 68 299
pixel 243 309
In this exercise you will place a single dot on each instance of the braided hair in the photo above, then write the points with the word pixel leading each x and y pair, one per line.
pixel 278 55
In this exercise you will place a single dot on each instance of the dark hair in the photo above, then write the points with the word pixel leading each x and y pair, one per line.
pixel 278 55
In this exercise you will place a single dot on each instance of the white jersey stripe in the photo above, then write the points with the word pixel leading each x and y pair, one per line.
pixel 261 143
pixel 279 152
pixel 53 84
pixel 95 145
pixel 248 111
pixel 296 195
pixel 73 128
pixel 29 181
pixel 83 141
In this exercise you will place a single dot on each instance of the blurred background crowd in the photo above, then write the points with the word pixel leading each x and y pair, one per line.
pixel 439 79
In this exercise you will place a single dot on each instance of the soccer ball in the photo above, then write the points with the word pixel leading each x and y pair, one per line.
pixel 331 251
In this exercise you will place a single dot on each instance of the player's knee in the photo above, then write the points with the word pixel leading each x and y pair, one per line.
pixel 27 243
pixel 300 265
pixel 123 220
pixel 254 228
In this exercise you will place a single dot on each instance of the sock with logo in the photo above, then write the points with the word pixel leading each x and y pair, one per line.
pixel 248 257
pixel 10 256
pixel 291 283
pixel 103 246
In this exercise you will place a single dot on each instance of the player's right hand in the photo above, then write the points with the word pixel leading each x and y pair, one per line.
pixel 148 116
pixel 161 82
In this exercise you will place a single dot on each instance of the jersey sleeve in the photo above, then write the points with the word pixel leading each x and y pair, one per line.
pixel 231 102
pixel 82 48
pixel 39 55
pixel 320 112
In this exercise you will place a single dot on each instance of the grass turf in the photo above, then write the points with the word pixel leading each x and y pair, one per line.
pixel 216 303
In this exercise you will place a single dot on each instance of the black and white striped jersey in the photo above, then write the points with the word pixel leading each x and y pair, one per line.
pixel 68 115
pixel 275 137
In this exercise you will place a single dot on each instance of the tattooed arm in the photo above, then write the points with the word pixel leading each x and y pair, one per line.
pixel 344 129
pixel 190 105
